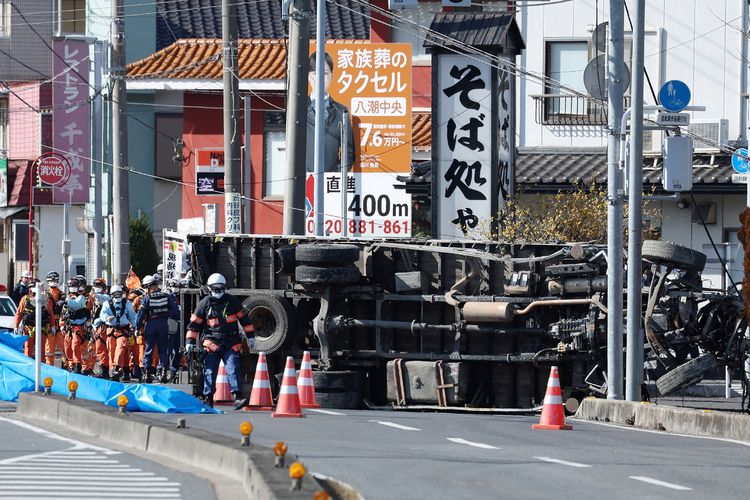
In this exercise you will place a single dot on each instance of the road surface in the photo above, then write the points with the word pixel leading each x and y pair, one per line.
pixel 35 463
pixel 392 454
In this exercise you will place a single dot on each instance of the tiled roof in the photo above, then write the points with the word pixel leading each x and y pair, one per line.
pixel 478 29
pixel 179 19
pixel 421 130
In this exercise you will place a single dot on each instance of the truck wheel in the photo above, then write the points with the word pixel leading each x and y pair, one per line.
pixel 338 389
pixel 686 374
pixel 326 253
pixel 678 255
pixel 272 318
pixel 327 275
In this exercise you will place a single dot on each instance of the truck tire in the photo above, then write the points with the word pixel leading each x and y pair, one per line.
pixel 686 374
pixel 326 253
pixel 351 400
pixel 272 318
pixel 338 389
pixel 347 275
pixel 678 255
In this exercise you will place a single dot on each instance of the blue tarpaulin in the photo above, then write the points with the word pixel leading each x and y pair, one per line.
pixel 17 375
pixel 13 341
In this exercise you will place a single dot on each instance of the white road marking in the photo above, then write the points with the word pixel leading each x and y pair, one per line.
pixel 327 412
pixel 77 445
pixel 472 443
pixel 665 484
pixel 87 494
pixel 396 426
pixel 664 433
pixel 562 462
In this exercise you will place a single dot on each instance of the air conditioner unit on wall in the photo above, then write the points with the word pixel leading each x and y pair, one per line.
pixel 709 135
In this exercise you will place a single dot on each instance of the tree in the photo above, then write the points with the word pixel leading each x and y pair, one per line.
pixel 143 255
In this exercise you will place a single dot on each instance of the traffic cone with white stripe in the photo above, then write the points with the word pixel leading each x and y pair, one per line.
pixel 553 414
pixel 305 384
pixel 222 394
pixel 288 404
pixel 261 398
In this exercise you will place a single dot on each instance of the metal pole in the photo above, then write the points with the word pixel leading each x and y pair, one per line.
pixel 98 158
pixel 296 118
pixel 742 139
pixel 232 196
pixel 38 354
pixel 120 185
pixel 31 217
pixel 616 63
pixel 320 65
pixel 634 363
pixel 344 174
pixel 726 279
pixel 247 185
pixel 65 242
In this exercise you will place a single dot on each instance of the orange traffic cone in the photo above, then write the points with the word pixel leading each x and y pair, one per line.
pixel 288 404
pixel 261 398
pixel 305 384
pixel 222 394
pixel 553 414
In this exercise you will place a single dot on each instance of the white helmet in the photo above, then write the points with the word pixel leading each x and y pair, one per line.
pixel 115 289
pixel 216 279
pixel 147 281
pixel 160 268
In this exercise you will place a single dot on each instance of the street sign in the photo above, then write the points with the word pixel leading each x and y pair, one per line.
pixel 674 95
pixel 739 161
pixel 739 178
pixel 672 119
pixel 54 169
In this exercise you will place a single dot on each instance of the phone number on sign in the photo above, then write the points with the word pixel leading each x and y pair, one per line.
pixel 356 227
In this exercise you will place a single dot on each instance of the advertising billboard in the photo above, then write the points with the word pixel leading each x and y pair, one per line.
pixel 209 171
pixel 367 106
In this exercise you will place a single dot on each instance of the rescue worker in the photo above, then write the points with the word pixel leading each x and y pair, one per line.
pixel 99 296
pixel 135 343
pixel 75 314
pixel 214 327
pixel 22 287
pixel 55 339
pixel 153 316
pixel 119 317
pixel 175 355
pixel 26 314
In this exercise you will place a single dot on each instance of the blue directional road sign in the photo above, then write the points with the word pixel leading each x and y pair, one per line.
pixel 739 161
pixel 674 95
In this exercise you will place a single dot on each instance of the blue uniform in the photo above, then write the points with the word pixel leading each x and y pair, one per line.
pixel 155 311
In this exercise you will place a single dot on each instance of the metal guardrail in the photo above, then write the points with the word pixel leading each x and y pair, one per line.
pixel 569 110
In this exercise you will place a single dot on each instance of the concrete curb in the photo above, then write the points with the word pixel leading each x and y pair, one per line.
pixel 667 418
pixel 215 453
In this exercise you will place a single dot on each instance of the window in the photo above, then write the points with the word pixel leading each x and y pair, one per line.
pixel 168 146
pixel 274 155
pixel 3 126
pixel 566 62
pixel 5 8
pixel 74 16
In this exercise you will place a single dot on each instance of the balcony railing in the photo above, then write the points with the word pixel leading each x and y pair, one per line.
pixel 569 110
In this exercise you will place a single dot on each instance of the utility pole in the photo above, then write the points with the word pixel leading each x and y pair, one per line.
pixel 232 186
pixel 634 364
pixel 320 69
pixel 615 86
pixel 120 188
pixel 97 156
pixel 298 63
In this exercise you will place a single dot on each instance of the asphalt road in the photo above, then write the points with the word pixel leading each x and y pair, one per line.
pixel 35 463
pixel 395 454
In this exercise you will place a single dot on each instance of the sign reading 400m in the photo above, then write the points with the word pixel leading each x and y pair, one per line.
pixel 367 107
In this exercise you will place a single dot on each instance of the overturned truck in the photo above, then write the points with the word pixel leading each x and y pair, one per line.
pixel 464 324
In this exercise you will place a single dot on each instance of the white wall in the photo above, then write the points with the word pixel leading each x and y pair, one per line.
pixel 50 226
pixel 696 41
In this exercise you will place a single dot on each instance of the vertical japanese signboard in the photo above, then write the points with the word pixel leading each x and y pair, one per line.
pixel 209 171
pixel 174 255
pixel 3 182
pixel 464 138
pixel 371 84
pixel 70 120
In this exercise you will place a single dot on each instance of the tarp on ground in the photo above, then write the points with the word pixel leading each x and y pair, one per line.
pixel 17 375
pixel 13 341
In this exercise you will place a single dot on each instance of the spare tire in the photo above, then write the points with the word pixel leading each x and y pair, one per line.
pixel 347 275
pixel 685 375
pixel 675 255
pixel 273 319
pixel 338 389
pixel 327 253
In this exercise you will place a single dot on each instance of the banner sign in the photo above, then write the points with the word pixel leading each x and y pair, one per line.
pixel 3 182
pixel 370 85
pixel 70 118
pixel 174 256
pixel 209 171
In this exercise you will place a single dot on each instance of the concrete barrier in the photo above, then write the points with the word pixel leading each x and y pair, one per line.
pixel 252 466
pixel 667 418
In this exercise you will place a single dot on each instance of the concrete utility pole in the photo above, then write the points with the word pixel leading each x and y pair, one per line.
pixel 120 189
pixel 742 139
pixel 634 365
pixel 298 63
pixel 232 196
pixel 615 86
pixel 320 68
pixel 97 161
